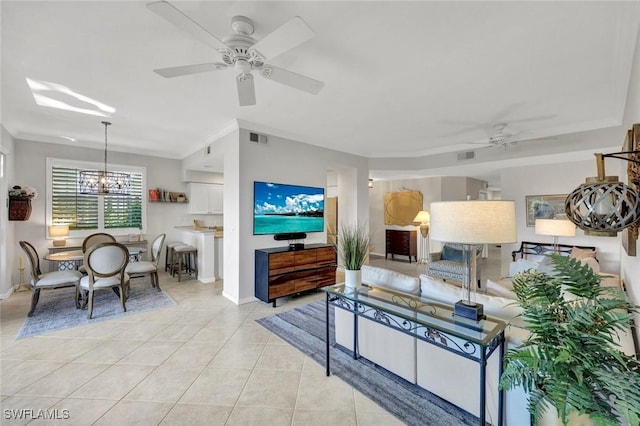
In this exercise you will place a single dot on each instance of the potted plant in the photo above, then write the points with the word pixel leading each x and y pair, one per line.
pixel 353 248
pixel 571 360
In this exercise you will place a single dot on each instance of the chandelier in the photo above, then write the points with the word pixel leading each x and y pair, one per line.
pixel 103 182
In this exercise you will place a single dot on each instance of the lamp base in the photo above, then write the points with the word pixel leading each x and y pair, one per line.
pixel 474 311
pixel 59 243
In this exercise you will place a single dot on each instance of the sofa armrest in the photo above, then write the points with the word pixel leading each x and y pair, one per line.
pixel 435 256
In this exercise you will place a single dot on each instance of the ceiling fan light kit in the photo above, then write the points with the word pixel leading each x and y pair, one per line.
pixel 242 52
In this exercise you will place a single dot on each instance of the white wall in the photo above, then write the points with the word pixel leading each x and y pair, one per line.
pixel 30 169
pixel 8 259
pixel 284 161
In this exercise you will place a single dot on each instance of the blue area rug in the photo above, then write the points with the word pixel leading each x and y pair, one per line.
pixel 305 328
pixel 56 309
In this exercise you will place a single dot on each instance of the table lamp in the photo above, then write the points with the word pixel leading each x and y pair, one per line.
pixel 556 228
pixel 471 223
pixel 423 217
pixel 57 232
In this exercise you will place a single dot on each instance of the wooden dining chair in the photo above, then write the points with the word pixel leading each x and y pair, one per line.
pixel 142 268
pixel 48 280
pixel 106 264
pixel 92 240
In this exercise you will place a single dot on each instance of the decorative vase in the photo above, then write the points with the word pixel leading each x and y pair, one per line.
pixel 352 278
pixel 19 208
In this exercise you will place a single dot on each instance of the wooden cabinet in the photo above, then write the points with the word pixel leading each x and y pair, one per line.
pixel 282 272
pixel 205 198
pixel 403 243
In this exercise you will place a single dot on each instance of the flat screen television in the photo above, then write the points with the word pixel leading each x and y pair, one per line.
pixel 280 208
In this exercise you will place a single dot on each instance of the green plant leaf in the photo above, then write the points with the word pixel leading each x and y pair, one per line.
pixel 571 361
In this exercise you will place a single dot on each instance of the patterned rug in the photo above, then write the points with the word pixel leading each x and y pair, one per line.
pixel 305 328
pixel 56 309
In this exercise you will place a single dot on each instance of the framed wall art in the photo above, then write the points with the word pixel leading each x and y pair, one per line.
pixel 545 207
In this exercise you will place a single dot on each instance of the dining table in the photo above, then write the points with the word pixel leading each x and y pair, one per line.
pixel 72 259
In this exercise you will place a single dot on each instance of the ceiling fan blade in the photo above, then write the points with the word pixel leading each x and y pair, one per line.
pixel 538 118
pixel 292 79
pixel 291 34
pixel 246 90
pixel 169 12
pixel 189 69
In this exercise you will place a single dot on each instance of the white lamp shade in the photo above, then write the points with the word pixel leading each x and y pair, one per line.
pixel 474 221
pixel 59 230
pixel 555 227
pixel 423 216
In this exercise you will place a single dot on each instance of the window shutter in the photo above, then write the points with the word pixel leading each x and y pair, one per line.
pixel 93 212
pixel 125 211
pixel 69 208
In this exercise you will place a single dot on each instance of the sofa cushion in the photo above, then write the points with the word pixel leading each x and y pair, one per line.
pixel 381 277
pixel 494 306
pixel 504 288
pixel 522 265
pixel 451 253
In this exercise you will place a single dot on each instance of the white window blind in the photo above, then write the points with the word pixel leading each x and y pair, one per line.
pixel 92 212
pixel 126 211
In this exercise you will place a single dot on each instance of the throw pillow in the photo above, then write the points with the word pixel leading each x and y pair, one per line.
pixel 591 263
pixel 450 253
pixel 579 254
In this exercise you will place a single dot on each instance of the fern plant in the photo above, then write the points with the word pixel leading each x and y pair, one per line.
pixel 571 360
pixel 353 246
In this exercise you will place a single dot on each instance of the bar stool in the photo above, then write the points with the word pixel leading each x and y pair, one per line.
pixel 168 258
pixel 183 256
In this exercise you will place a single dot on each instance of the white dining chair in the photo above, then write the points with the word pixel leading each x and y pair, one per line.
pixel 91 240
pixel 142 268
pixel 48 280
pixel 106 264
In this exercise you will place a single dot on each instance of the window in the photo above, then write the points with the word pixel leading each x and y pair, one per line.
pixel 86 214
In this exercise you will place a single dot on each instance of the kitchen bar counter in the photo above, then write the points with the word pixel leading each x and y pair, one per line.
pixel 217 232
pixel 204 239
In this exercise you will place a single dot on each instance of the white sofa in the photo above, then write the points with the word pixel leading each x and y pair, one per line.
pixel 454 378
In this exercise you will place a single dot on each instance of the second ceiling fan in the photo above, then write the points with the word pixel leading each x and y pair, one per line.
pixel 242 52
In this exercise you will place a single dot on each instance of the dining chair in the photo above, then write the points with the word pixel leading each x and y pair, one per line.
pixel 48 280
pixel 142 268
pixel 106 264
pixel 92 240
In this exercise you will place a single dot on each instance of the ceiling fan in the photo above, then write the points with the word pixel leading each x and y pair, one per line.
pixel 505 139
pixel 499 137
pixel 242 52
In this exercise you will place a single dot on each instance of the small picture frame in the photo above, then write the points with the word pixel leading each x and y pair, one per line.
pixel 545 207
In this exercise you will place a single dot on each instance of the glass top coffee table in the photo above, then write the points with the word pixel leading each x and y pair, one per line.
pixel 426 320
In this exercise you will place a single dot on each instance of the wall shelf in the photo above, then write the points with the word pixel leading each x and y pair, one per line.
pixel 159 195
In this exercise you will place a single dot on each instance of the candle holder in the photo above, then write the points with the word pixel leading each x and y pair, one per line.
pixel 22 286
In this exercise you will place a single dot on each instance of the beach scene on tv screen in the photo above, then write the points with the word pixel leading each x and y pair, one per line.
pixel 280 208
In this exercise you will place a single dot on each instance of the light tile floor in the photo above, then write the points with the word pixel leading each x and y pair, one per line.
pixel 205 361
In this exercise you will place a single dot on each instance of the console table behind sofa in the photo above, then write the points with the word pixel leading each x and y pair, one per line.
pixel 529 247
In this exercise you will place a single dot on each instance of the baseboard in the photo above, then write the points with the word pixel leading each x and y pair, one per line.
pixel 239 301
pixel 8 293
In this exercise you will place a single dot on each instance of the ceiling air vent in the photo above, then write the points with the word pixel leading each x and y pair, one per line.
pixel 469 155
pixel 257 138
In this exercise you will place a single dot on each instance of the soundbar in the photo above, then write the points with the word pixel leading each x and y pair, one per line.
pixel 289 236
